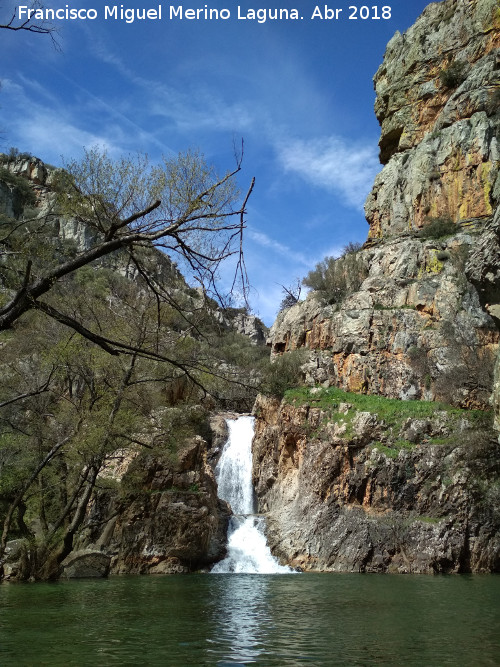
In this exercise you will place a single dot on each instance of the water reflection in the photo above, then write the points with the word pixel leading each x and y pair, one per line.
pixel 266 620
pixel 241 616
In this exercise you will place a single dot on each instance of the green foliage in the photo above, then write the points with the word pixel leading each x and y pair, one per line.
pixel 97 403
pixel 23 194
pixel 393 451
pixel 283 373
pixel 334 279
pixel 237 350
pixel 175 425
pixel 429 519
pixel 454 74
pixel 392 411
pixel 437 228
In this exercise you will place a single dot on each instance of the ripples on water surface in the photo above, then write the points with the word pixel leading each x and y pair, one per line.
pixel 275 620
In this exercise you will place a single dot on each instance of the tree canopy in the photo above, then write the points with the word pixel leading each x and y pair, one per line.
pixel 104 345
pixel 130 206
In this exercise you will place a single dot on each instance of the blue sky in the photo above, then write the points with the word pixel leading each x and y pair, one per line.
pixel 299 93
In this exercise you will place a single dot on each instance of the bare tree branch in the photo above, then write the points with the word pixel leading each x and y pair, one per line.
pixel 120 236
pixel 39 390
pixel 31 24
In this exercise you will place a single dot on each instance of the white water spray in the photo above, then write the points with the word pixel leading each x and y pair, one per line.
pixel 247 549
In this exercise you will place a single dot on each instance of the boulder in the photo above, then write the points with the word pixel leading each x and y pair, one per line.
pixel 86 563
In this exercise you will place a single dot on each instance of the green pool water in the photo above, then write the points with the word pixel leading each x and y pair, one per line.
pixel 275 620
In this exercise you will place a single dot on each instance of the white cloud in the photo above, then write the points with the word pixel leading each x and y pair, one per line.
pixel 41 123
pixel 206 112
pixel 334 164
pixel 266 241
pixel 193 107
pixel 39 136
pixel 47 129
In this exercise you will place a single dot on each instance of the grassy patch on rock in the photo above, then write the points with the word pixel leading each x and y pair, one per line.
pixel 392 417
pixel 391 410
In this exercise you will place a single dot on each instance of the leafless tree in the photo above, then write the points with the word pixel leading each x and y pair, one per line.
pixel 30 24
pixel 183 208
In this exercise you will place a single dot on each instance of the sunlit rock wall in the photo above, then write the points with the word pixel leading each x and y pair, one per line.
pixel 415 326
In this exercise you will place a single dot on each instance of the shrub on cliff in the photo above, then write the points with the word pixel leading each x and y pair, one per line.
pixel 335 278
pixel 469 378
pixel 290 294
pixel 283 373
pixel 454 75
pixel 13 154
pixel 352 246
pixel 438 227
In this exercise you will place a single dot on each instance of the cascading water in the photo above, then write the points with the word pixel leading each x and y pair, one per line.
pixel 247 549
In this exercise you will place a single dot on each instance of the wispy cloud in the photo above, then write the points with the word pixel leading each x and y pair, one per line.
pixel 266 241
pixel 334 164
pixel 189 108
pixel 47 128
pixel 33 113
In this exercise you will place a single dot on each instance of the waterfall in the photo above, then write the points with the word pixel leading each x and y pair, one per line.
pixel 247 549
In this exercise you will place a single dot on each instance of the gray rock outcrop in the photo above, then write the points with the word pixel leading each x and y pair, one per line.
pixel 343 492
pixel 412 323
pixel 85 564
pixel 167 518
pixel 413 314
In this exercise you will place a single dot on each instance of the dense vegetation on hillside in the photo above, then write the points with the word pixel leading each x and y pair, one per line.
pixel 119 352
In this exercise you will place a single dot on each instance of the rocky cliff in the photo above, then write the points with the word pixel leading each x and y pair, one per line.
pixel 411 324
pixel 166 517
pixel 437 103
pixel 362 484
pixel 373 481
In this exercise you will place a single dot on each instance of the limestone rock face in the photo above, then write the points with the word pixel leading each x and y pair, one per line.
pixel 169 520
pixel 414 326
pixel 483 270
pixel 341 490
pixel 14 553
pixel 444 69
pixel 414 329
pixel 451 174
pixel 337 498
pixel 30 167
pixel 437 102
pixel 250 326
